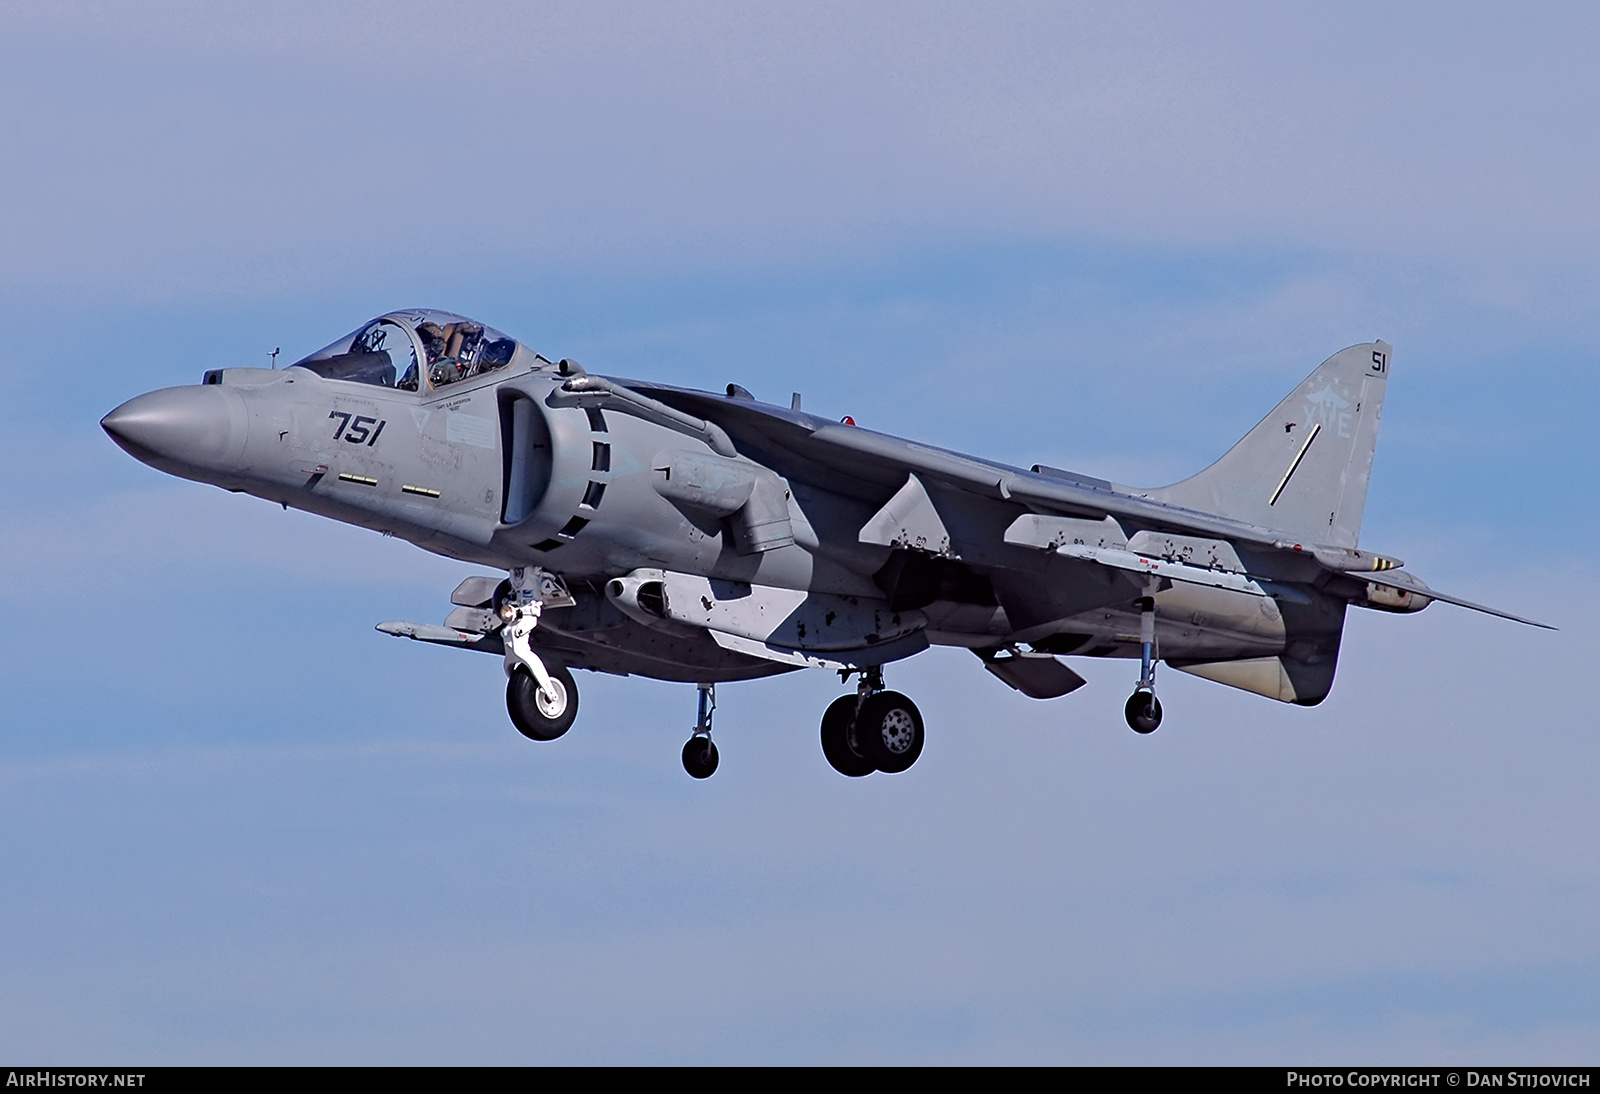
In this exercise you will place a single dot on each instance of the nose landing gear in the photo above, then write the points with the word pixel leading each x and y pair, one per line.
pixel 541 698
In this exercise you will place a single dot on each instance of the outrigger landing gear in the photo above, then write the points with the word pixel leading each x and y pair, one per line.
pixel 699 754
pixel 872 730
pixel 1143 709
pixel 541 699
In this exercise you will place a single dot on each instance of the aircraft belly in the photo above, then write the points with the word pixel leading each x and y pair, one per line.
pixel 969 625
pixel 632 649
pixel 1056 589
pixel 1201 609
pixel 1192 622
pixel 795 619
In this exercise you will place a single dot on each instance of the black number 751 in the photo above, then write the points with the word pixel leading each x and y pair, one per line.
pixel 360 430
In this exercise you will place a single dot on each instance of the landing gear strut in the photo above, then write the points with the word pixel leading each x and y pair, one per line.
pixel 872 730
pixel 541 699
pixel 1143 709
pixel 699 754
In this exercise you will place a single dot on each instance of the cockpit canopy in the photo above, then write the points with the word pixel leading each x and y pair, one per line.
pixel 413 350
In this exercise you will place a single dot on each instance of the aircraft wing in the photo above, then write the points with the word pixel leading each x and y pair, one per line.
pixel 882 460
pixel 1074 498
pixel 874 465
pixel 442 636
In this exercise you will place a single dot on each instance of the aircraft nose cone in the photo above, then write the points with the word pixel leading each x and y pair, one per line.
pixel 194 427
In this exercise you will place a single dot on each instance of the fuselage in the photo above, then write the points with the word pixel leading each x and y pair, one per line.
pixel 503 465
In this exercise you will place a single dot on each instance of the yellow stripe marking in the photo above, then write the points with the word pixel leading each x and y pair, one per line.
pixel 362 480
pixel 423 490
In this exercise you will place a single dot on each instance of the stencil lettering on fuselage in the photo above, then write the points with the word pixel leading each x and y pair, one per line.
pixel 469 429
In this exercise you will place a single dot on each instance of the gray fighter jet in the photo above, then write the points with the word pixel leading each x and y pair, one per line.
pixel 699 537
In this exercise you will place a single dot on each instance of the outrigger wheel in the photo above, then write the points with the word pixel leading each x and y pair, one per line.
pixel 1144 709
pixel 1143 712
pixel 700 757
pixel 699 754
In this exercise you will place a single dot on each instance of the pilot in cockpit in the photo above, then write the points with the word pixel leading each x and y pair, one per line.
pixel 451 349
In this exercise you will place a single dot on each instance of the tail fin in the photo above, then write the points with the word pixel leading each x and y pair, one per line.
pixel 1304 469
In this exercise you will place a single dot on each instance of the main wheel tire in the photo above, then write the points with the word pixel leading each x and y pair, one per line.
pixel 889 731
pixel 535 716
pixel 1143 712
pixel 836 746
pixel 700 757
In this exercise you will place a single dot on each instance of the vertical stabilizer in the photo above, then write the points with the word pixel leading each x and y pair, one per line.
pixel 1304 469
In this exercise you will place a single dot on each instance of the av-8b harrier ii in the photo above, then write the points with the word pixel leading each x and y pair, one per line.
pixel 701 537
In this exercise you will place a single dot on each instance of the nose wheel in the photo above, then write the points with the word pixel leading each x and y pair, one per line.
pixel 540 714
pixel 700 757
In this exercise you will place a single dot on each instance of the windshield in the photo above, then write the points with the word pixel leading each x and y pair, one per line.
pixel 399 349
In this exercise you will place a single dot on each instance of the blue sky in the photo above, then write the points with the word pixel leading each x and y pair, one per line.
pixel 241 826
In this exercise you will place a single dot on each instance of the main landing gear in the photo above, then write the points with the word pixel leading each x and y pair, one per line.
pixel 872 730
pixel 699 754
pixel 1143 709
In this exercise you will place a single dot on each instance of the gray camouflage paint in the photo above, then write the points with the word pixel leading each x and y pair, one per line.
pixel 623 480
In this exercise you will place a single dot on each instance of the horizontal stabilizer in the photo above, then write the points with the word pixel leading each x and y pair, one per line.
pixel 1399 579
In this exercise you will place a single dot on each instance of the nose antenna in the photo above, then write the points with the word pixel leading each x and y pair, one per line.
pixel 274 356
